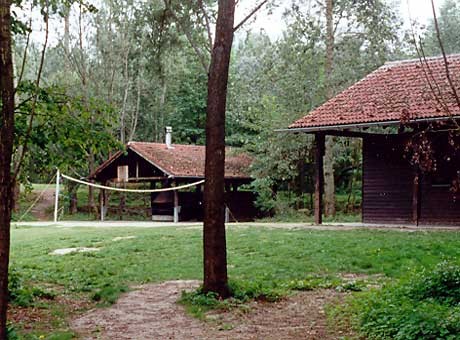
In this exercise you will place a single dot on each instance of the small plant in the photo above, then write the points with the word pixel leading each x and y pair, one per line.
pixel 314 282
pixel 244 291
pixel 197 303
pixel 21 295
pixel 11 332
pixel 108 294
pixel 442 284
pixel 350 286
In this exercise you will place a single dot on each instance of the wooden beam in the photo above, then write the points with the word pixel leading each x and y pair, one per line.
pixel 319 176
pixel 358 134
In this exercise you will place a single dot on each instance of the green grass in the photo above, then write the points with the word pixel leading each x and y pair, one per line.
pixel 253 254
pixel 284 259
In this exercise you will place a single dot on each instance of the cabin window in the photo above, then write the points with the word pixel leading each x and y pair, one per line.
pixel 122 173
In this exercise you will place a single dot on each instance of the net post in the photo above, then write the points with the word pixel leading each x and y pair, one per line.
pixel 227 214
pixel 56 197
pixel 176 206
pixel 102 201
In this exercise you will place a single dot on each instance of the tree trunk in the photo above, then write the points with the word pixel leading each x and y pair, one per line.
pixel 6 150
pixel 329 185
pixel 214 242
pixel 73 204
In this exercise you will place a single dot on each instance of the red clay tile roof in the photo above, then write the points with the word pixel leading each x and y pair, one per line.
pixel 188 160
pixel 394 90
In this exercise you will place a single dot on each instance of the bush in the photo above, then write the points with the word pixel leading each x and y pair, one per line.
pixel 441 285
pixel 423 306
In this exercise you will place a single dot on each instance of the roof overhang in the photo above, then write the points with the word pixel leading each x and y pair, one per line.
pixel 340 127
pixel 170 175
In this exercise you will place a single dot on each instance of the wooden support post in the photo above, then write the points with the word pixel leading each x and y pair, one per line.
pixel 416 197
pixel 319 176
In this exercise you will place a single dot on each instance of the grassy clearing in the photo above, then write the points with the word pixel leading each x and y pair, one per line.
pixel 265 260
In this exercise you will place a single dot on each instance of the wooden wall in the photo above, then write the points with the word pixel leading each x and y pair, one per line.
pixel 439 204
pixel 387 182
pixel 388 186
pixel 145 169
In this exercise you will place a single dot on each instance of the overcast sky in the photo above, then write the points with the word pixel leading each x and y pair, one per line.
pixel 273 24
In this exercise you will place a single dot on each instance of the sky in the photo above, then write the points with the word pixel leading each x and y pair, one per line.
pixel 273 24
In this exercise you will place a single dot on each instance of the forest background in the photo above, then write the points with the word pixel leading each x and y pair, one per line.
pixel 117 71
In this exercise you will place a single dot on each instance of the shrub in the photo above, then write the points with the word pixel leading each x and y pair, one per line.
pixel 442 284
pixel 423 306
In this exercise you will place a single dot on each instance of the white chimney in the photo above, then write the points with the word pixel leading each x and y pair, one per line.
pixel 168 137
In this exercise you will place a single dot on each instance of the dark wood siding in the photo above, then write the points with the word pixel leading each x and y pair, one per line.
pixel 387 182
pixel 145 169
pixel 439 204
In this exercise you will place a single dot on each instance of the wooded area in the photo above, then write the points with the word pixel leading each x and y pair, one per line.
pixel 97 76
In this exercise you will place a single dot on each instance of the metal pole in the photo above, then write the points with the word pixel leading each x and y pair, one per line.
pixel 227 214
pixel 102 205
pixel 56 197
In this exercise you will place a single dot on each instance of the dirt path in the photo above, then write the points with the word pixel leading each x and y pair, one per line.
pixel 151 312
pixel 44 203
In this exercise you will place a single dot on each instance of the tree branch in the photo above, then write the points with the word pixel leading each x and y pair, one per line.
pixel 34 103
pixel 207 22
pixel 24 57
pixel 198 52
pixel 443 51
pixel 254 11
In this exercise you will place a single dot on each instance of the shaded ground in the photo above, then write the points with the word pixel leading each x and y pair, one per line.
pixel 151 312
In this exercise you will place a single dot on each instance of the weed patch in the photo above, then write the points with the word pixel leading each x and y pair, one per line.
pixel 22 295
pixel 424 305
pixel 108 294
pixel 197 303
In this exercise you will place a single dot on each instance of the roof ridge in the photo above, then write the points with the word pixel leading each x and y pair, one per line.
pixel 417 60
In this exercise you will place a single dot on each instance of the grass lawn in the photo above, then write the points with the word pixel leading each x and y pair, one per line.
pixel 269 256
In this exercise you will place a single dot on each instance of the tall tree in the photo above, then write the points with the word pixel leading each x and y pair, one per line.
pixel 448 22
pixel 329 183
pixel 6 149
pixel 214 241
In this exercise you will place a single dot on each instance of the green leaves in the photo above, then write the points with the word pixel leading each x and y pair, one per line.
pixel 64 131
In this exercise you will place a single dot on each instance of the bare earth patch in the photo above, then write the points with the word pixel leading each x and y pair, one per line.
pixel 152 312
pixel 39 210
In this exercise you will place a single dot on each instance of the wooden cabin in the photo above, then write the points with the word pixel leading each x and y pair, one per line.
pixel 390 109
pixel 164 165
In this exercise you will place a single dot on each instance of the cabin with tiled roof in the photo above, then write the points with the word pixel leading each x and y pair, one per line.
pixel 166 165
pixel 390 109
